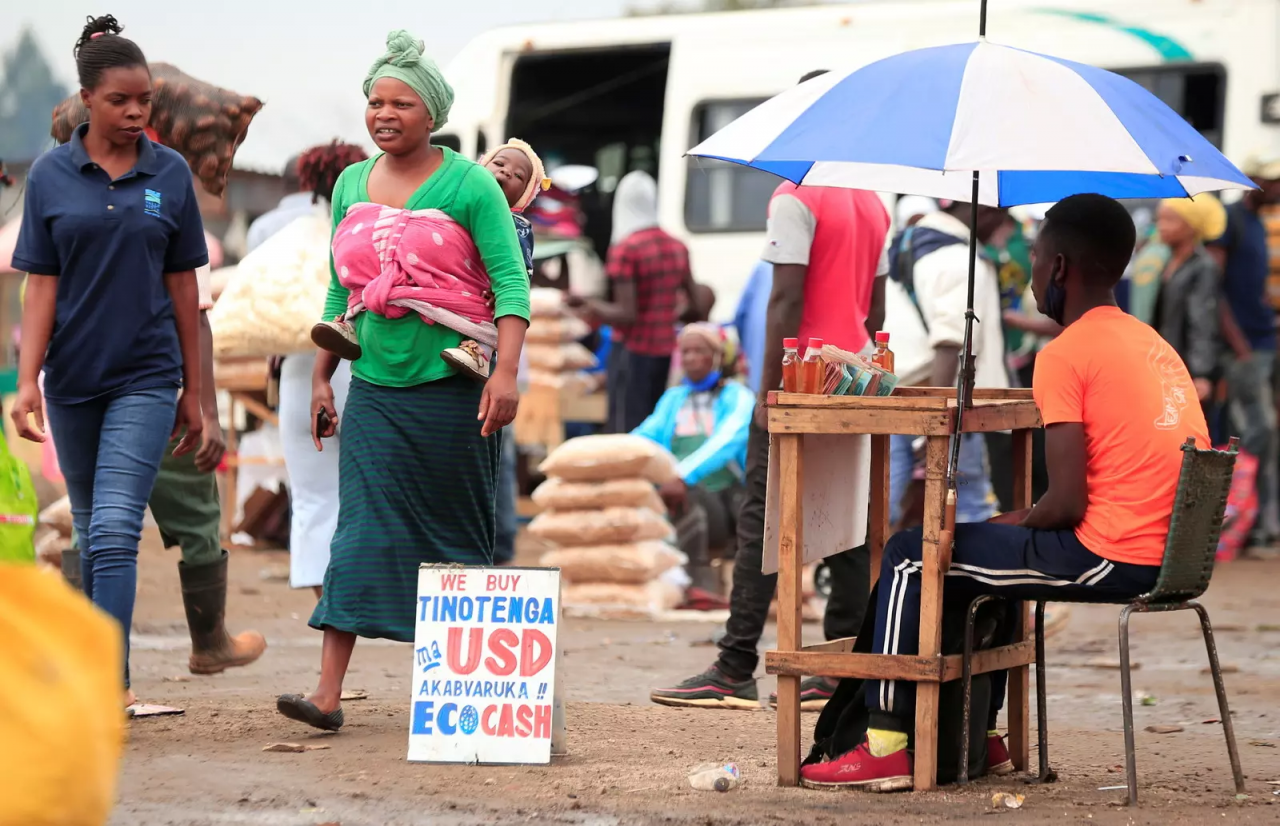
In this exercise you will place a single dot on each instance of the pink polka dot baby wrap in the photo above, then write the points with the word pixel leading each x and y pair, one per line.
pixel 397 261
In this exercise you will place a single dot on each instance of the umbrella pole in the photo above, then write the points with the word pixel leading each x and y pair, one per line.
pixel 964 381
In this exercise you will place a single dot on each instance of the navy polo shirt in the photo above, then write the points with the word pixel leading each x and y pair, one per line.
pixel 110 243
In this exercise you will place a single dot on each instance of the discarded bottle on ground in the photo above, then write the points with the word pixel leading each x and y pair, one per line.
pixel 714 777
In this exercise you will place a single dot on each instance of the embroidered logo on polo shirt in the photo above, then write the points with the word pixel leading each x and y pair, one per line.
pixel 151 203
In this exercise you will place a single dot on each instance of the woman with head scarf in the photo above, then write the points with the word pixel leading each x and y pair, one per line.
pixel 647 270
pixel 703 421
pixel 420 443
pixel 1186 312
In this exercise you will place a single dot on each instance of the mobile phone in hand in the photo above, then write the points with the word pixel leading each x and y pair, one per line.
pixel 322 422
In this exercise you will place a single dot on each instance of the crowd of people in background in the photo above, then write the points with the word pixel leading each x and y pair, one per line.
pixel 398 412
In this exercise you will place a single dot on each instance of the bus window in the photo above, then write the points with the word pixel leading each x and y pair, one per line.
pixel 1197 91
pixel 720 196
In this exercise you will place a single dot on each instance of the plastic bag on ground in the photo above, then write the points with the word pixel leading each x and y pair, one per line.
pixel 276 294
pixel 62 720
pixel 610 526
pixel 612 456
pixel 205 123
pixel 631 564
pixel 557 494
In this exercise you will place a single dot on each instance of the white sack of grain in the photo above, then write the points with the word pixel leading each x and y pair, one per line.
pixel 612 456
pixel 610 526
pixel 631 564
pixel 559 495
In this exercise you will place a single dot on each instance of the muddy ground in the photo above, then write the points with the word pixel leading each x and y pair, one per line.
pixel 629 758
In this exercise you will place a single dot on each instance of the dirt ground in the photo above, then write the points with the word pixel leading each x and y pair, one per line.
pixel 628 759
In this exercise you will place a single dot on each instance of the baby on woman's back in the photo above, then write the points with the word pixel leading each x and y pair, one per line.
pixel 520 174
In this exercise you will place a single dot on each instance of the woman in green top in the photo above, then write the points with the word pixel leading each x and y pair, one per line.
pixel 420 444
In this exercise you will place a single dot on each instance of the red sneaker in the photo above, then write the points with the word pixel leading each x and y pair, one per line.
pixel 859 769
pixel 998 762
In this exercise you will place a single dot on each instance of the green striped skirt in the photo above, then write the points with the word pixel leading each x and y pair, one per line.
pixel 416 484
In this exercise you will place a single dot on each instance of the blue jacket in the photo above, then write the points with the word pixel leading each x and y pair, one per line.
pixel 728 442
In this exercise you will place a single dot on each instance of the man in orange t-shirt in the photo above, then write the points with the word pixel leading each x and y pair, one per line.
pixel 1117 404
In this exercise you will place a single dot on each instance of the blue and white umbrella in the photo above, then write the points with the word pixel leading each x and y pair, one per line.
pixel 981 123
pixel 1037 128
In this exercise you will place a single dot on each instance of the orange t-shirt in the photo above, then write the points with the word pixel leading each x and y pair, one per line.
pixel 1134 396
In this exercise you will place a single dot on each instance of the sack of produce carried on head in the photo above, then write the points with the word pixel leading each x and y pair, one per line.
pixel 611 456
pixel 202 122
pixel 276 294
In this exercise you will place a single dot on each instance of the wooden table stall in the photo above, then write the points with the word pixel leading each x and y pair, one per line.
pixel 917 411
pixel 544 410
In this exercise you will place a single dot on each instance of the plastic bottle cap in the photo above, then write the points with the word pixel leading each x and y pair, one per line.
pixel 815 343
pixel 882 336
pixel 791 343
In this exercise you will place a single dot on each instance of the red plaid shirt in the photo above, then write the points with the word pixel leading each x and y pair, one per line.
pixel 658 265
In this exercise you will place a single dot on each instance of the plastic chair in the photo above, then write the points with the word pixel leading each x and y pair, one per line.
pixel 1198 510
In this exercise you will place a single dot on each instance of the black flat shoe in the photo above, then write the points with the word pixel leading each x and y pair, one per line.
pixel 297 707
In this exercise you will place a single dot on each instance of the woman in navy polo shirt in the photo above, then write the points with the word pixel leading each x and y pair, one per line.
pixel 111 237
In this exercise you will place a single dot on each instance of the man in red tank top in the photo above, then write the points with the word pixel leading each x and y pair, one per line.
pixel 827 250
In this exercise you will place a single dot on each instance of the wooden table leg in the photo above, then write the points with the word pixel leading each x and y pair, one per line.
pixel 878 519
pixel 790 565
pixel 935 492
pixel 1019 692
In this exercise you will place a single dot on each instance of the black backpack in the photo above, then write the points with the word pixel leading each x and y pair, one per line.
pixel 842 725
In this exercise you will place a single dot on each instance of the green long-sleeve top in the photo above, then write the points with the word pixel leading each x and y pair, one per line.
pixel 404 352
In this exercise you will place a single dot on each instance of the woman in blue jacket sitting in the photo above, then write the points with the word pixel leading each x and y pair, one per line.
pixel 703 421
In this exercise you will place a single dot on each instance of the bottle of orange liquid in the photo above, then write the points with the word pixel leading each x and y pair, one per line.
pixel 813 370
pixel 883 356
pixel 791 365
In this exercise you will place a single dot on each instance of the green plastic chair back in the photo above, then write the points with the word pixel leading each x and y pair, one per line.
pixel 1196 523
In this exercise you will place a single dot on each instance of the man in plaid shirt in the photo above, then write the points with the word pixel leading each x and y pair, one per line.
pixel 647 269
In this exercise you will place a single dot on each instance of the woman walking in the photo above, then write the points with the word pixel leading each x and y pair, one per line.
pixel 111 242
pixel 419 442
pixel 313 477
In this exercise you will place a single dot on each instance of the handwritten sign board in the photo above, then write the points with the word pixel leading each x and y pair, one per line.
pixel 484 664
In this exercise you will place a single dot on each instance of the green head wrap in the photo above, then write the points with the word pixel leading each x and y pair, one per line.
pixel 405 62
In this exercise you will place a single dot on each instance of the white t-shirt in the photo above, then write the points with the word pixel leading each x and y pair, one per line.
pixel 791 229
pixel 204 287
pixel 942 284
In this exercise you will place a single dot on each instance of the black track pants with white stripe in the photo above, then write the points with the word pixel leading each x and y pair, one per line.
pixel 1005 560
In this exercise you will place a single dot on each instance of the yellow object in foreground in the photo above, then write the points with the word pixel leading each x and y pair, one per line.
pixel 62 722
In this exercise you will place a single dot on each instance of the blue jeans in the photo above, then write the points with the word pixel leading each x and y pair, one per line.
pixel 973 491
pixel 504 542
pixel 110 451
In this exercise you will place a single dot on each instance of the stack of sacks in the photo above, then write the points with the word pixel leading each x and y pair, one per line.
pixel 609 527
pixel 551 349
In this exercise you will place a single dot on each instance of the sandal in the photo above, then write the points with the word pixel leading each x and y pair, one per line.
pixel 297 707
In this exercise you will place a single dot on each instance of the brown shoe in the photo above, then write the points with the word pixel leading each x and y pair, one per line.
pixel 204 595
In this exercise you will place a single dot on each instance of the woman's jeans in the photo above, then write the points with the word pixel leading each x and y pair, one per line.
pixel 110 451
